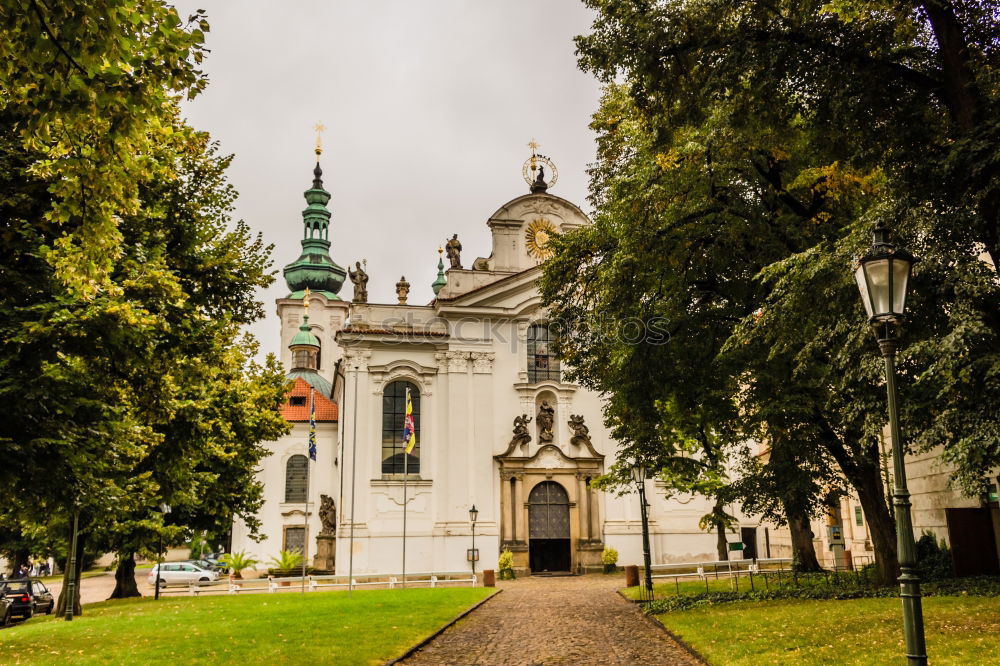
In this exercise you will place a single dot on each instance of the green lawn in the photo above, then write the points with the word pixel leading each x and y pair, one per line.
pixel 959 630
pixel 285 628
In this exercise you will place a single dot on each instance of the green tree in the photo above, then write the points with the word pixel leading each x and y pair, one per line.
pixel 801 126
pixel 93 87
pixel 143 392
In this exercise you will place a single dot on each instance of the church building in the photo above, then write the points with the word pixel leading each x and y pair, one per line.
pixel 497 425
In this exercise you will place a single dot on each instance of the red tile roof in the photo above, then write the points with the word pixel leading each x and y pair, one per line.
pixel 326 409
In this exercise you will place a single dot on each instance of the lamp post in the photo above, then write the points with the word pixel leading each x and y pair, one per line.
pixel 883 276
pixel 639 477
pixel 164 509
pixel 71 579
pixel 473 516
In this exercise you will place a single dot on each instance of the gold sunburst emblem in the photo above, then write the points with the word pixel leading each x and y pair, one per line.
pixel 537 236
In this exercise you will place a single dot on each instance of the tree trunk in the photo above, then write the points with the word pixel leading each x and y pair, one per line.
pixel 803 550
pixel 125 585
pixel 20 559
pixel 721 545
pixel 861 468
pixel 61 603
pixel 881 527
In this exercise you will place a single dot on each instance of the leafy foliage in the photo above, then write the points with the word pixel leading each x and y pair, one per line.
pixel 745 150
pixel 505 565
pixel 983 586
pixel 238 561
pixel 94 88
pixel 286 560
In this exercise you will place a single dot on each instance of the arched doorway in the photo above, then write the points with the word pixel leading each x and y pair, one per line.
pixel 548 528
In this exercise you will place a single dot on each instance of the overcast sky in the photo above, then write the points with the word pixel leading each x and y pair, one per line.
pixel 429 106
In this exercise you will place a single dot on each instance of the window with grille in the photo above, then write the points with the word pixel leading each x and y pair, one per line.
pixel 295 539
pixel 393 413
pixel 296 478
pixel 542 362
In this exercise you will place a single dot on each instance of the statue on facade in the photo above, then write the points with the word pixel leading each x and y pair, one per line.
pixel 327 515
pixel 402 290
pixel 453 248
pixel 581 433
pixel 360 280
pixel 521 434
pixel 546 419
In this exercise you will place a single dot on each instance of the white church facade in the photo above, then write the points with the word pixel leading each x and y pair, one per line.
pixel 498 425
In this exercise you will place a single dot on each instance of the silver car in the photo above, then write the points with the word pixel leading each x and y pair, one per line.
pixel 180 573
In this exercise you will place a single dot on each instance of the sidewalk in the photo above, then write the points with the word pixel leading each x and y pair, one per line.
pixel 564 620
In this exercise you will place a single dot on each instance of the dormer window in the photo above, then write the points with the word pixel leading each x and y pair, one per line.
pixel 297 401
pixel 304 359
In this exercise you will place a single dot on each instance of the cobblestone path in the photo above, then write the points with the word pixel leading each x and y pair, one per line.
pixel 561 620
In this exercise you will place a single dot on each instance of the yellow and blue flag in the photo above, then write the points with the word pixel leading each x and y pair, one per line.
pixel 312 426
pixel 409 429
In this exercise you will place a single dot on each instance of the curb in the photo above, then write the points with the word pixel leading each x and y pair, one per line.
pixel 440 630
pixel 655 621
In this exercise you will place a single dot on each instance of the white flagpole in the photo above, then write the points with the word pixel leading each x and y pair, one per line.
pixel 406 457
pixel 354 478
pixel 305 517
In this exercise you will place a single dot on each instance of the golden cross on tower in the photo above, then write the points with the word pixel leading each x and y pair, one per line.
pixel 533 145
pixel 319 127
pixel 305 295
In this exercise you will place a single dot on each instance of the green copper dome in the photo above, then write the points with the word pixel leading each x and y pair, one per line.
pixel 314 268
pixel 441 280
pixel 304 336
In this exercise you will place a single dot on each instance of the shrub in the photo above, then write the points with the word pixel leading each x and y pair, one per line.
pixel 933 559
pixel 610 559
pixel 978 586
pixel 237 562
pixel 505 565
pixel 287 559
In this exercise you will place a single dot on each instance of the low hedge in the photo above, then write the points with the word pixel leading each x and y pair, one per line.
pixel 980 586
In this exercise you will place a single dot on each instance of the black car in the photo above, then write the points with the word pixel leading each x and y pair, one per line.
pixel 17 598
pixel 26 597
pixel 45 603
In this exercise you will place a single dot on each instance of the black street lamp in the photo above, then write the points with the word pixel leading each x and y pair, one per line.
pixel 883 276
pixel 639 477
pixel 165 509
pixel 71 579
pixel 473 516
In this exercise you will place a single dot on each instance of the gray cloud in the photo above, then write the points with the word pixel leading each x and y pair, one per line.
pixel 429 106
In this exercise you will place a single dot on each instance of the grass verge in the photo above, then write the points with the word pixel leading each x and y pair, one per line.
pixel 959 630
pixel 371 626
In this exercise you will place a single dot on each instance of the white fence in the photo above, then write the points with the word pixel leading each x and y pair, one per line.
pixel 272 585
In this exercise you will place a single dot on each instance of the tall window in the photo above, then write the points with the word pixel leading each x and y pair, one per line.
pixel 393 413
pixel 542 362
pixel 296 478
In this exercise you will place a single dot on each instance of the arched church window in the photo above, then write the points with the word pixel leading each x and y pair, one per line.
pixel 393 416
pixel 296 478
pixel 542 362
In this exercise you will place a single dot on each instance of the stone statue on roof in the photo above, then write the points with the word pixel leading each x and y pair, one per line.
pixel 360 280
pixel 453 248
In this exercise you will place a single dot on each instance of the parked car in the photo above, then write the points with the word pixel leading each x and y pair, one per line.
pixel 26 597
pixel 207 563
pixel 6 611
pixel 180 573
pixel 42 598
pixel 17 599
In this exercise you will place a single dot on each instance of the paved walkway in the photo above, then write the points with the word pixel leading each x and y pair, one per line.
pixel 561 620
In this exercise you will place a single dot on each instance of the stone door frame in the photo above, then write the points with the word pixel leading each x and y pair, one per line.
pixel 519 474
